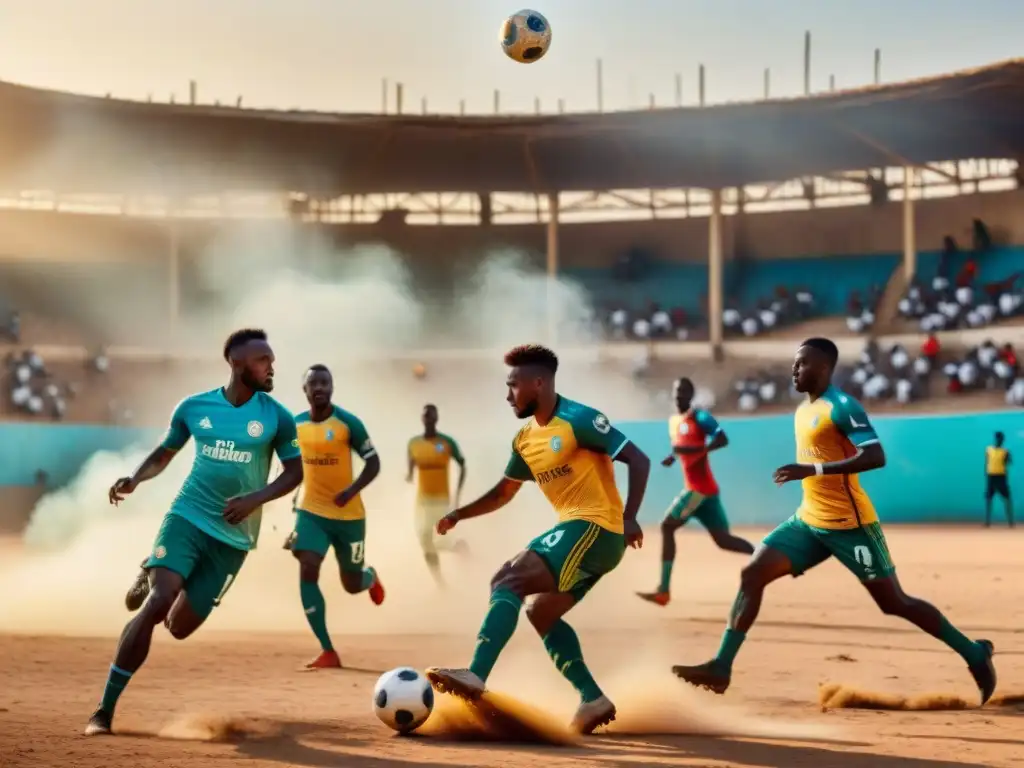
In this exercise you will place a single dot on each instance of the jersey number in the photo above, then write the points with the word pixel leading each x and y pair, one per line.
pixel 224 589
pixel 358 551
pixel 551 540
pixel 863 556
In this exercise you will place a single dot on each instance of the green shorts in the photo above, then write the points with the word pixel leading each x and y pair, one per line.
pixel 314 533
pixel 579 553
pixel 862 550
pixel 706 509
pixel 208 565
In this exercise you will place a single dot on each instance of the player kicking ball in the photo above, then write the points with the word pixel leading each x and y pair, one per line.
pixel 330 512
pixel 429 455
pixel 835 443
pixel 214 520
pixel 568 450
pixel 694 434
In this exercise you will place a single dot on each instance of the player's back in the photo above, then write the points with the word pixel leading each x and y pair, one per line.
pixel 692 429
pixel 833 428
pixel 233 450
pixel 327 448
pixel 570 459
pixel 432 456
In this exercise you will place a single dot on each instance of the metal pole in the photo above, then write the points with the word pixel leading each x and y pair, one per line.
pixel 398 98
pixel 600 87
pixel 552 265
pixel 715 274
pixel 192 89
pixel 384 96
pixel 807 63
pixel 909 230
pixel 878 66
pixel 497 101
pixel 831 82
pixel 700 84
pixel 767 83
pixel 679 90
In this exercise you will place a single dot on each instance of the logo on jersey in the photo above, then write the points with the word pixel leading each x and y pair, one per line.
pixel 330 435
pixel 601 424
pixel 160 552
pixel 295 443
pixel 439 447
pixel 366 447
pixel 684 428
pixel 224 450
pixel 855 425
pixel 814 421
pixel 556 444
pixel 205 423
pixel 254 428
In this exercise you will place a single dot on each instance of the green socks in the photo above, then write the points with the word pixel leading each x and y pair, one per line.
pixel 666 576
pixel 117 680
pixel 564 649
pixel 369 576
pixel 316 611
pixel 955 639
pixel 731 642
pixel 497 629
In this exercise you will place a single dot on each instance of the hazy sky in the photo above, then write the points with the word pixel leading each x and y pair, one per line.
pixel 333 54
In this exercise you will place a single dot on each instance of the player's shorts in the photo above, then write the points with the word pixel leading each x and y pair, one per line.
pixel 314 533
pixel 997 485
pixel 208 565
pixel 862 550
pixel 579 553
pixel 427 515
pixel 708 510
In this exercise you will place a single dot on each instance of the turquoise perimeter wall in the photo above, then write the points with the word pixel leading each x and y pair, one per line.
pixel 935 471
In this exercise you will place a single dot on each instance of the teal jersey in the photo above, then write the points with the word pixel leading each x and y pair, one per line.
pixel 234 447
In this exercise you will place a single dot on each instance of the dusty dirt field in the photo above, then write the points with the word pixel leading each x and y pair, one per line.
pixel 816 629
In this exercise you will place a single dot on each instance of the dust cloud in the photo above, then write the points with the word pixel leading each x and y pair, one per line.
pixel 358 314
pixel 648 701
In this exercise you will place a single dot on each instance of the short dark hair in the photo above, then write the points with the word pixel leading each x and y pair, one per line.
pixel 532 355
pixel 684 381
pixel 1000 437
pixel 320 367
pixel 430 405
pixel 827 347
pixel 242 336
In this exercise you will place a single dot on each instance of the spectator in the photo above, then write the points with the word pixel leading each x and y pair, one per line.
pixel 930 348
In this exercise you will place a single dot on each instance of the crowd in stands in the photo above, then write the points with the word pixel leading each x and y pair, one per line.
pixel 968 300
pixel 34 390
pixel 901 375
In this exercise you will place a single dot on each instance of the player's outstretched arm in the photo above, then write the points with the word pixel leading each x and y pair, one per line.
pixel 852 422
pixel 496 498
pixel 638 468
pixel 155 463
pixel 178 433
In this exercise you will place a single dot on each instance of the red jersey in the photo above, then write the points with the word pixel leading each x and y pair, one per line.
pixel 695 427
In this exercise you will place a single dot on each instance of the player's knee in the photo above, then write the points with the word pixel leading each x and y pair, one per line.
pixel 352 582
pixel 541 619
pixel 507 579
pixel 309 568
pixel 179 629
pixel 669 526
pixel 753 577
pixel 158 606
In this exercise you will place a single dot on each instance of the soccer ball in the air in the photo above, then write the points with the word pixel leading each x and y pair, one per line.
pixel 403 699
pixel 525 36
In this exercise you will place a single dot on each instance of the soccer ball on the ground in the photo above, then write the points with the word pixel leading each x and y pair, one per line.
pixel 403 699
pixel 525 36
